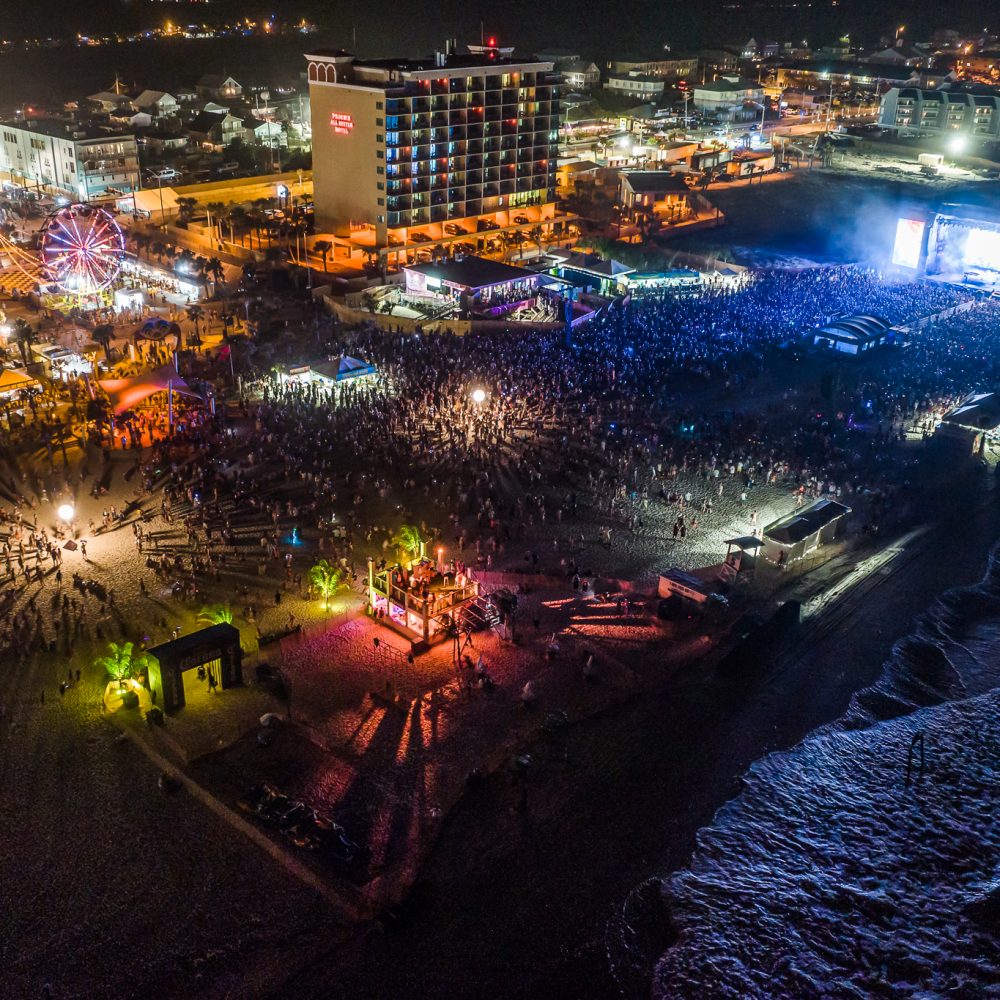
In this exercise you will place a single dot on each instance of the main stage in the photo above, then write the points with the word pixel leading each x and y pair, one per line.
pixel 959 245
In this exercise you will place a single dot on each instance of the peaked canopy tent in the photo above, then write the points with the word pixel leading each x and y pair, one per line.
pixel 126 393
pixel 15 379
pixel 342 369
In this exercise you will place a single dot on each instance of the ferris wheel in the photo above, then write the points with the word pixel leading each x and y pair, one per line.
pixel 81 249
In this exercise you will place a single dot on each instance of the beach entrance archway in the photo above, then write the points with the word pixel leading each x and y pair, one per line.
pixel 216 648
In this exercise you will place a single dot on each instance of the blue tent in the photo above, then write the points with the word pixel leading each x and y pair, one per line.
pixel 344 369
pixel 353 368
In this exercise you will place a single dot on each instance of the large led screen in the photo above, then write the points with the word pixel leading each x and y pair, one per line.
pixel 909 237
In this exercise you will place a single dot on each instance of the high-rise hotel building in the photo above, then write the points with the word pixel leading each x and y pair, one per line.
pixel 404 147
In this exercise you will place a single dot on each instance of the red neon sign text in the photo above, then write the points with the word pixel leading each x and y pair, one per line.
pixel 340 123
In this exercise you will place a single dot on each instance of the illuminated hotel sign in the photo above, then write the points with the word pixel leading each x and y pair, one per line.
pixel 341 124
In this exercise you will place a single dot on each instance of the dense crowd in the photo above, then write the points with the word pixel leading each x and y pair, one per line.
pixel 602 437
pixel 602 425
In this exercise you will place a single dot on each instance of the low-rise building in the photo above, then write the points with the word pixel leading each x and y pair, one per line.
pixel 972 113
pixel 727 93
pixel 728 97
pixel 642 88
pixel 676 69
pixel 825 73
pixel 79 161
pixel 746 163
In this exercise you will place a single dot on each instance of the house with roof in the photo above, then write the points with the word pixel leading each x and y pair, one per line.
pixel 659 191
pixel 218 87
pixel 579 74
pixel 108 100
pixel 157 103
pixel 215 131
pixel 127 117
pixel 159 141
pixel 264 133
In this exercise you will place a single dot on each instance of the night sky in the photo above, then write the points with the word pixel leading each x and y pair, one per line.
pixel 623 29
pixel 639 24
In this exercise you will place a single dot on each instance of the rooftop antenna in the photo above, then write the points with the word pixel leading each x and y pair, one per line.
pixel 354 37
pixel 482 34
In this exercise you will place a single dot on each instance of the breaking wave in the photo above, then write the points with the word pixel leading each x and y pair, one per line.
pixel 862 862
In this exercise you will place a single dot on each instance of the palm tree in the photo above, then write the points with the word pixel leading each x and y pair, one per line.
pixel 24 337
pixel 237 219
pixel 214 210
pixel 185 209
pixel 408 540
pixel 327 579
pixel 103 335
pixel 323 247
pixel 195 314
pixel 216 614
pixel 215 269
pixel 120 662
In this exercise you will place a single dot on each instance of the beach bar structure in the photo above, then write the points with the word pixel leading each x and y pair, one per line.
pixel 422 614
pixel 476 285
pixel 800 533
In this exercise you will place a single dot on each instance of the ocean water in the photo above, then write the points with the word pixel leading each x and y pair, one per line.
pixel 864 861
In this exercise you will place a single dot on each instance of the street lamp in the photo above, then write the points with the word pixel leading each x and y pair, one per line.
pixel 66 512
pixel 478 396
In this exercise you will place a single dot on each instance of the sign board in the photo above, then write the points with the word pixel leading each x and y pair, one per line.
pixel 340 123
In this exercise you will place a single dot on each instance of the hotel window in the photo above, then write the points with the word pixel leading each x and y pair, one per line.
pixel 378 123
pixel 378 105
pixel 380 218
pixel 378 137
pixel 381 170
pixel 380 185
pixel 380 153
pixel 381 201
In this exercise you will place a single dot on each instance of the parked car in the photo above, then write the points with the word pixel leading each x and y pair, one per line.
pixel 522 220
pixel 454 229
pixel 484 224
pixel 420 238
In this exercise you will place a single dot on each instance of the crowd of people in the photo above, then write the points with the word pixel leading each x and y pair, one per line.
pixel 564 449
pixel 604 427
